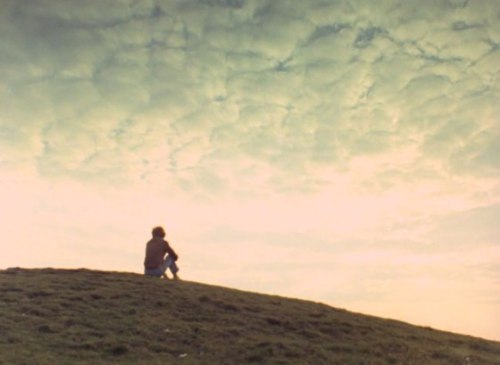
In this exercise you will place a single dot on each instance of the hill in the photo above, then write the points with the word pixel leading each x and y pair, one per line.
pixel 80 316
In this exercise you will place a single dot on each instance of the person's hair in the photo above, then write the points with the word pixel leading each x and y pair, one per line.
pixel 158 232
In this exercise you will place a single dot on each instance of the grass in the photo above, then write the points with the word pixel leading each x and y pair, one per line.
pixel 80 316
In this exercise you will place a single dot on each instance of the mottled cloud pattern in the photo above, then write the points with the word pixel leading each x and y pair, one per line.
pixel 366 131
pixel 212 91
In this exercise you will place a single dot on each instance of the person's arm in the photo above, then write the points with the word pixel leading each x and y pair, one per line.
pixel 170 251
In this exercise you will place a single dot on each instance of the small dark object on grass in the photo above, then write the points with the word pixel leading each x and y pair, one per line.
pixel 119 350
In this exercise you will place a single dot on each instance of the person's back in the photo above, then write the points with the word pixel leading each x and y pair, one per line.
pixel 155 263
pixel 155 251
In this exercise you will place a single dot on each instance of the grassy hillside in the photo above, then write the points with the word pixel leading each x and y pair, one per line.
pixel 87 317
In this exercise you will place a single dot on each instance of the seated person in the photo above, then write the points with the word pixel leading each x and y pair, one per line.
pixel 155 263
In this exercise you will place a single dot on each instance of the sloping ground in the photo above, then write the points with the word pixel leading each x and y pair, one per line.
pixel 87 317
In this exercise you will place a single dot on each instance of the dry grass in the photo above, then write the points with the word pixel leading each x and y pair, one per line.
pixel 87 317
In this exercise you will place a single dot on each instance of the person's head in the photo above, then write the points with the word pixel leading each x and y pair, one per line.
pixel 158 232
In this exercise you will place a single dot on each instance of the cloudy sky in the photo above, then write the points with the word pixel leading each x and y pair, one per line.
pixel 340 151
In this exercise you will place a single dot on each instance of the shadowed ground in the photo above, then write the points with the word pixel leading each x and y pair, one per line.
pixel 52 316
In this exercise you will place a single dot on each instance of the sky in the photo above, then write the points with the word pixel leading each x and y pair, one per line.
pixel 345 152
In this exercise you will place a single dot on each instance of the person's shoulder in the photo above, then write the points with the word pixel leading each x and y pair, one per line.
pixel 156 241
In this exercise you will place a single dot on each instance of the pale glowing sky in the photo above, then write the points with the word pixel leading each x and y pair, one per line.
pixel 346 152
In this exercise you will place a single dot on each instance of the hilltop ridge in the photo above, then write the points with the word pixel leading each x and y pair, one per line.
pixel 55 316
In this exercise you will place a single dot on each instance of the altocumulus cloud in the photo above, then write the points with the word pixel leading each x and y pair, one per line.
pixel 204 91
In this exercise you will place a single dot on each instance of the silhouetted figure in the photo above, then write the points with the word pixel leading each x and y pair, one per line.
pixel 155 263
